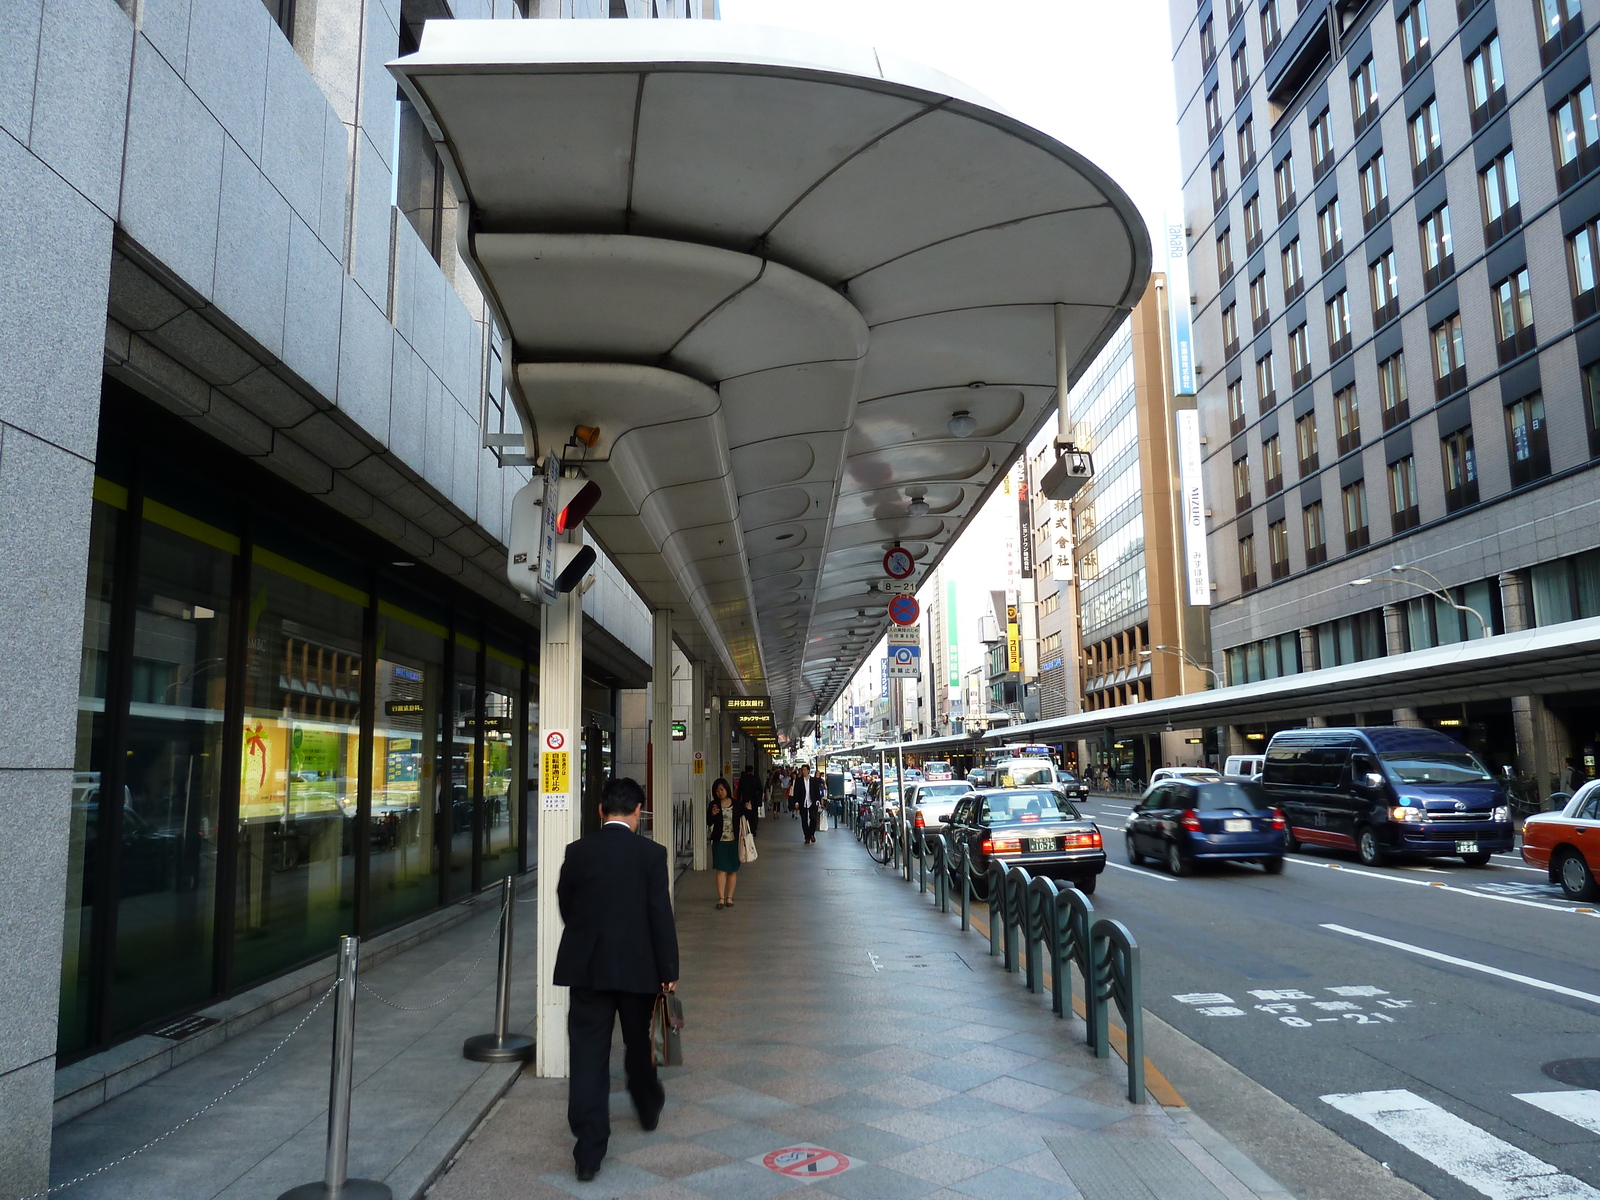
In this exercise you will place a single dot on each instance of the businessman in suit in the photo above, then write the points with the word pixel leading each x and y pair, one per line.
pixel 618 952
pixel 815 791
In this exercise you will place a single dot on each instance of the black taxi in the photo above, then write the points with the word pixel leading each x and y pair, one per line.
pixel 1035 828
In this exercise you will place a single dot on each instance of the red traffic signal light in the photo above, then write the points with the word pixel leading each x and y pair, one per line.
pixel 574 499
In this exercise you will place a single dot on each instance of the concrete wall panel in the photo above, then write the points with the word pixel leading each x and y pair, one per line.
pixel 311 317
pixel 252 250
pixel 81 102
pixel 370 227
pixel 296 119
pixel 227 67
pixel 55 259
pixel 172 174
pixel 19 56
pixel 365 356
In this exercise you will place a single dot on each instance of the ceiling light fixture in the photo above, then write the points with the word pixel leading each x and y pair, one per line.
pixel 962 424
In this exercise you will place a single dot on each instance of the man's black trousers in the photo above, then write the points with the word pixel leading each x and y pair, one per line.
pixel 808 820
pixel 589 1023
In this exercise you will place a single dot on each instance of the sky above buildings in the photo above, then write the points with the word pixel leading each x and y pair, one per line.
pixel 1097 76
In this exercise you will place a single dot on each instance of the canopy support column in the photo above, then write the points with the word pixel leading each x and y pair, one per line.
pixel 700 779
pixel 661 816
pixel 560 802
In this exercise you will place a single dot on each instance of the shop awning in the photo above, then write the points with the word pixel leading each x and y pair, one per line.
pixel 770 268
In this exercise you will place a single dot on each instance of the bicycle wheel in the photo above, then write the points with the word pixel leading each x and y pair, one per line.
pixel 880 845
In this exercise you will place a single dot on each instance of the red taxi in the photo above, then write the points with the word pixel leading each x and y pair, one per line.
pixel 1567 843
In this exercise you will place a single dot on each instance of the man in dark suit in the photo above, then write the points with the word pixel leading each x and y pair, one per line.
pixel 618 952
pixel 812 792
pixel 750 798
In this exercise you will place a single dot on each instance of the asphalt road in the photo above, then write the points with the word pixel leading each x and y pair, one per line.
pixel 1430 1064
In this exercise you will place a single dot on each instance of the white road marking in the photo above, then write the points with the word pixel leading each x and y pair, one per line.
pixel 1459 891
pixel 1141 871
pixel 1581 1108
pixel 1542 984
pixel 1478 1159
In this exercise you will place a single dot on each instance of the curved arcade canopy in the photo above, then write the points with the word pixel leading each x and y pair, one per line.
pixel 770 268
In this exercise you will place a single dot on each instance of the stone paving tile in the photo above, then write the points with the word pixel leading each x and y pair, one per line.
pixel 939 1082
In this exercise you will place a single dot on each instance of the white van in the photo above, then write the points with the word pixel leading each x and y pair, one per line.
pixel 1245 766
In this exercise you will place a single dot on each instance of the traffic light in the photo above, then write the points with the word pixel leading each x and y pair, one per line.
pixel 541 563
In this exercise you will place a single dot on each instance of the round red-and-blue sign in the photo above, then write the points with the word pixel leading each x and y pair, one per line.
pixel 904 610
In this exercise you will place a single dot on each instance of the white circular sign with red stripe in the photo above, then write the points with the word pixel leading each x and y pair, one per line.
pixel 555 740
pixel 806 1162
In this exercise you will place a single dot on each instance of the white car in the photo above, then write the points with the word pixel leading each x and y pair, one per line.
pixel 933 802
pixel 1245 766
pixel 1024 772
pixel 1192 774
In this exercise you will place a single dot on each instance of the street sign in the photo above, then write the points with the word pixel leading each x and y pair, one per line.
pixel 904 610
pixel 898 563
pixel 902 635
pixel 905 661
pixel 898 586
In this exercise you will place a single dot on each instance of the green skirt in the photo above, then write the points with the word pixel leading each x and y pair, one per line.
pixel 724 856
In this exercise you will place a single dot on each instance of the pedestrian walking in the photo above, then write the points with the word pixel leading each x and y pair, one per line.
pixel 725 825
pixel 749 797
pixel 1570 779
pixel 618 952
pixel 810 794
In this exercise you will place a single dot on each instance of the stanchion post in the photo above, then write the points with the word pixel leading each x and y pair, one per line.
pixel 336 1183
pixel 502 1045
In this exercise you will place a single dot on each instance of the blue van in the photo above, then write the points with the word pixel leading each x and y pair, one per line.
pixel 1387 790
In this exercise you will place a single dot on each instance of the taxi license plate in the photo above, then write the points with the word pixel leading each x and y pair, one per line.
pixel 1236 825
pixel 1035 845
pixel 1466 847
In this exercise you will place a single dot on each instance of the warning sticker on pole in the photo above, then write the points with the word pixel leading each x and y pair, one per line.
pixel 806 1162
pixel 555 778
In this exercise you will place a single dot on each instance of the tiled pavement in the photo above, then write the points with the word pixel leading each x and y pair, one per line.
pixel 834 1008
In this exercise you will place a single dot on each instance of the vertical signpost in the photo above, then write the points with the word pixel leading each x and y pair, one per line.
pixel 1196 566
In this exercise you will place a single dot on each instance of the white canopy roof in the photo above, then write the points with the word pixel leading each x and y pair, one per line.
pixel 770 267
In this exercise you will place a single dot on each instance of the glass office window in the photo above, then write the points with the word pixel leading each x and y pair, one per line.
pixel 407 723
pixel 173 781
pixel 502 806
pixel 82 865
pixel 297 800
pixel 464 781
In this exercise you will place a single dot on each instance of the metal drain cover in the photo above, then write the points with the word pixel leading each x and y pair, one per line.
pixel 1578 1072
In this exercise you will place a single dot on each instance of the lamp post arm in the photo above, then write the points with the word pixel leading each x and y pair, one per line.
pixel 1441 594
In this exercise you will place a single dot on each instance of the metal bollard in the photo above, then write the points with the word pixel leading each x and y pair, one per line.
pixel 336 1184
pixel 502 1045
pixel 922 862
pixel 965 859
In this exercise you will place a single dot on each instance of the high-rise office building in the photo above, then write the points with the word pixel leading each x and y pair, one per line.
pixel 1392 213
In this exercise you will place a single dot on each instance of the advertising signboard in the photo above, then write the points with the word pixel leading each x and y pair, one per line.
pixel 1197 566
pixel 1183 383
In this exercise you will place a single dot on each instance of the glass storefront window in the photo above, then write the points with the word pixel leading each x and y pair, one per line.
pixel 76 966
pixel 406 728
pixel 502 806
pixel 173 783
pixel 297 801
pixel 465 783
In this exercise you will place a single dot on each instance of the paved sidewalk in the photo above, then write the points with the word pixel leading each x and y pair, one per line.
pixel 415 1098
pixel 835 1013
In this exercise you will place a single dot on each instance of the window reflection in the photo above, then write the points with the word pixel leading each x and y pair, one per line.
pixel 297 799
pixel 406 729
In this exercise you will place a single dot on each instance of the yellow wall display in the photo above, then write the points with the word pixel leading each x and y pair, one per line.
pixel 555 772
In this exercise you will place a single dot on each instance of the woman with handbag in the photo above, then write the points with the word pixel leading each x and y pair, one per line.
pixel 726 827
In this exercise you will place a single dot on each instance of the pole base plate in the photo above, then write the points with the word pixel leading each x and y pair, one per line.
pixel 487 1048
pixel 353 1189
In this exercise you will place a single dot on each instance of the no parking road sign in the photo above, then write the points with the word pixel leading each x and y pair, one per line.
pixel 807 1162
pixel 904 610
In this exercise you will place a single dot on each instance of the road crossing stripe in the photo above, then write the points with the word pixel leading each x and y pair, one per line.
pixel 1581 1108
pixel 1428 883
pixel 1542 984
pixel 1477 1158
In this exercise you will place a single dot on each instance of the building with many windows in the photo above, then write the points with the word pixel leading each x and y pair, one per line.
pixel 1392 212
pixel 1138 636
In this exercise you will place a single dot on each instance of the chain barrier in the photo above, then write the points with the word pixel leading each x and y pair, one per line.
pixel 493 937
pixel 244 1079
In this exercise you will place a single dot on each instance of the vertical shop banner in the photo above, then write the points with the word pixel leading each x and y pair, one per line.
pixel 1196 565
pixel 1060 548
pixel 555 771
pixel 1025 525
pixel 1183 382
pixel 952 639
pixel 883 680
pixel 1013 635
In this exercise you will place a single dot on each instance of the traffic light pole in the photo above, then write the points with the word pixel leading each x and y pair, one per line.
pixel 560 697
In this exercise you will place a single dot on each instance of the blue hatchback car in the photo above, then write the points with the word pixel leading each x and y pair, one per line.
pixel 1179 821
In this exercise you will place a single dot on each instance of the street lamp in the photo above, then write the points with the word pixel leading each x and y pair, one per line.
pixel 1440 593
pixel 1173 650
